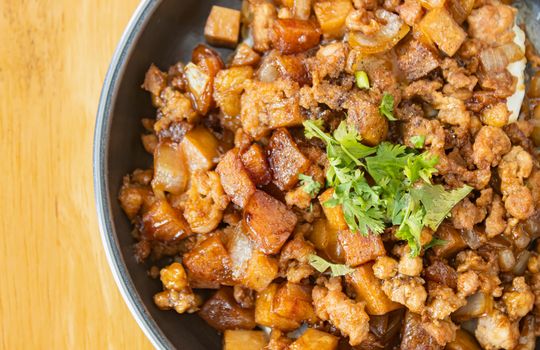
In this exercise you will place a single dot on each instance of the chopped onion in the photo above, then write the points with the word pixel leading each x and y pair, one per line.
pixel 512 52
pixel 472 238
pixel 507 260
pixel 517 69
pixel 477 305
pixel 268 72
pixel 388 35
pixel 521 263
pixel 170 171
pixel 494 60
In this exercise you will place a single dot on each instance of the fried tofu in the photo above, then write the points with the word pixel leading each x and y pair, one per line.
pixel 222 27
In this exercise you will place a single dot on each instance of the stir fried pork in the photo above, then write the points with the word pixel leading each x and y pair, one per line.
pixel 359 174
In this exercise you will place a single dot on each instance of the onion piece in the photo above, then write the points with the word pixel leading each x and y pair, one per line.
pixel 521 263
pixel 517 69
pixel 494 60
pixel 387 37
pixel 507 260
pixel 477 305
pixel 170 171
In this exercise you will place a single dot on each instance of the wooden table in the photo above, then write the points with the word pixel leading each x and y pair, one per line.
pixel 56 289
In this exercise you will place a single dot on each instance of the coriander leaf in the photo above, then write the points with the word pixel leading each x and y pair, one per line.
pixel 418 141
pixel 309 185
pixel 322 265
pixel 438 202
pixel 435 241
pixel 313 128
pixel 421 167
pixel 388 162
pixel 349 139
pixel 411 225
pixel 386 107
pixel 362 80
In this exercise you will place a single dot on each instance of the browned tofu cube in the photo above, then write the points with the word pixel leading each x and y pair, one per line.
pixel 334 215
pixel 325 238
pixel 265 314
pixel 286 160
pixel 270 105
pixel 331 16
pixel 441 28
pixel 208 264
pixel 222 27
pixel 251 268
pixel 235 178
pixel 245 56
pixel 245 340
pixel 164 223
pixel 454 241
pixel 368 289
pixel 268 222
pixel 313 339
pixel 256 165
pixel 200 147
pixel 222 312
pixel 417 59
pixel 294 35
pixel 360 249
pixel 264 14
pixel 294 302
pixel 260 272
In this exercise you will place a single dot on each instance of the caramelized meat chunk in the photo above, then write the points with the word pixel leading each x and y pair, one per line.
pixel 414 336
pixel 164 223
pixel 294 35
pixel 235 179
pixel 360 249
pixel 417 59
pixel 256 164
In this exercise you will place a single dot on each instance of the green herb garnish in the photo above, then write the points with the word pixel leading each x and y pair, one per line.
pixel 309 185
pixel 387 106
pixel 362 80
pixel 435 241
pixel 402 193
pixel 322 265
pixel 418 141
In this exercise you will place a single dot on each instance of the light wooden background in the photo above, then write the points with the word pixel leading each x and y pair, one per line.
pixel 56 290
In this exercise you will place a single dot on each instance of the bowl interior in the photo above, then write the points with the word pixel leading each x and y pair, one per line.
pixel 168 33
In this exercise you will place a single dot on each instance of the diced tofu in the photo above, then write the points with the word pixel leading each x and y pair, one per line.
pixel 417 59
pixel 270 105
pixel 170 169
pixel 264 14
pixel 334 215
pixel 164 223
pixel 245 56
pixel 360 249
pixel 260 272
pixel 454 241
pixel 208 264
pixel 222 312
pixel 313 339
pixel 244 340
pixel 441 28
pixel 294 35
pixel 324 238
pixel 331 16
pixel 200 148
pixel 228 87
pixel 286 160
pixel 235 178
pixel 251 268
pixel 222 27
pixel 269 222
pixel 265 314
pixel 256 165
pixel 368 289
pixel 294 302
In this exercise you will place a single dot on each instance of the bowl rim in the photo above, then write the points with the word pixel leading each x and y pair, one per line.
pixel 110 242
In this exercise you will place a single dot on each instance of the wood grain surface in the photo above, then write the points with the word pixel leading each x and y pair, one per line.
pixel 56 289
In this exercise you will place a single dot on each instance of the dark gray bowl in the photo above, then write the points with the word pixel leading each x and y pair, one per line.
pixel 160 32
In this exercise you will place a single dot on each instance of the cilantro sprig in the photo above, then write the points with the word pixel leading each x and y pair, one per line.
pixel 322 265
pixel 400 194
pixel 309 185
pixel 386 107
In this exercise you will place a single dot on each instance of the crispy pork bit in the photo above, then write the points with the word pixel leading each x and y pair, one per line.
pixel 222 27
pixel 269 222
pixel 245 56
pixel 417 59
pixel 164 223
pixel 331 16
pixel 243 339
pixel 235 178
pixel 331 304
pixel 364 115
pixel 256 164
pixel 177 294
pixel 286 160
pixel 222 312
pixel 496 331
pixel 294 35
pixel 293 301
pixel 265 314
pixel 414 336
